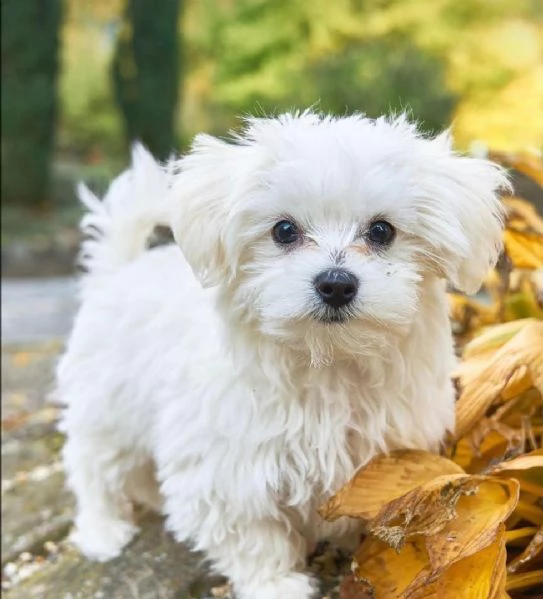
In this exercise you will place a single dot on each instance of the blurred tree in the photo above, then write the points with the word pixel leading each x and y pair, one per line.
pixel 285 54
pixel 256 55
pixel 382 76
pixel 30 43
pixel 146 73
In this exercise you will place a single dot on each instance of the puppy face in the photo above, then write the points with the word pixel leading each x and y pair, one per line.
pixel 321 231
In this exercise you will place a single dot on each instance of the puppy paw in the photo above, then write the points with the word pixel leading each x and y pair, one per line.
pixel 103 540
pixel 293 586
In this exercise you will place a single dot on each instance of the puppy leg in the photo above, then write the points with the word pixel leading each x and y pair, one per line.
pixel 96 472
pixel 262 558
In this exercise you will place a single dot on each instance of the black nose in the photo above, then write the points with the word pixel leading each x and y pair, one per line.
pixel 336 287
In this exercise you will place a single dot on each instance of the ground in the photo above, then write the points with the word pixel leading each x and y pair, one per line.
pixel 38 561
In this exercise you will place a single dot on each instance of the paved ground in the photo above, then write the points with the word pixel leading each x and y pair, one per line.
pixel 37 310
pixel 36 510
pixel 37 560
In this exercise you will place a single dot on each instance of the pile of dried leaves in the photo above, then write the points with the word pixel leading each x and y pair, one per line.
pixel 469 523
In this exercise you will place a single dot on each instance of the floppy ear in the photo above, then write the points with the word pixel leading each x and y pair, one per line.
pixel 464 209
pixel 212 182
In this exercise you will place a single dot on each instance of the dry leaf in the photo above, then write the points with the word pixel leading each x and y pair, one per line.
pixel 530 164
pixel 350 588
pixel 390 574
pixel 384 479
pixel 534 459
pixel 533 550
pixel 475 454
pixel 530 511
pixel 387 572
pixel 423 511
pixel 475 527
pixel 493 338
pixel 469 314
pixel 479 576
pixel 527 580
pixel 443 511
pixel 524 248
pixel 520 534
pixel 525 349
pixel 523 214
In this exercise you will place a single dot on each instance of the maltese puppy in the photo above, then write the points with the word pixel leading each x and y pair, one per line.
pixel 297 328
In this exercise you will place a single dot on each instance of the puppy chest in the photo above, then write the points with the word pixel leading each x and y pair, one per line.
pixel 323 453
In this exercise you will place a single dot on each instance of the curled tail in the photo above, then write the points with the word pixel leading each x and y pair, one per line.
pixel 117 228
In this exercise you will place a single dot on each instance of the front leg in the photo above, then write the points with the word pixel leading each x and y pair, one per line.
pixel 262 556
pixel 263 559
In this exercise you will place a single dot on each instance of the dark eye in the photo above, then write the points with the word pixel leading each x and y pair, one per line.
pixel 381 232
pixel 285 232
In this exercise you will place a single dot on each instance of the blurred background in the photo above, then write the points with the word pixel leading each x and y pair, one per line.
pixel 82 78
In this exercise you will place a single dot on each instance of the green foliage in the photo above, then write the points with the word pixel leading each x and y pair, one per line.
pixel 379 77
pixel 30 41
pixel 90 122
pixel 445 60
pixel 476 63
pixel 146 72
pixel 274 56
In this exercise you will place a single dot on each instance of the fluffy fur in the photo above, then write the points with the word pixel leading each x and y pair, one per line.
pixel 209 368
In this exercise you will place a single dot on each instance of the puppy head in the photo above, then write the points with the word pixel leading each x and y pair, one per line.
pixel 320 231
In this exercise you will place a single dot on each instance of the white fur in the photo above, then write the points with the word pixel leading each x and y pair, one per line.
pixel 251 410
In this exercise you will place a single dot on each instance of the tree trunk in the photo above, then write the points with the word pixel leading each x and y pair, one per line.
pixel 146 73
pixel 30 44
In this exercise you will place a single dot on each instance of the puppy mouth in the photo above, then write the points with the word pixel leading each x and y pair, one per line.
pixel 333 316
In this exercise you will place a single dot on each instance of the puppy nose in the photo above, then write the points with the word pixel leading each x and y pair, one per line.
pixel 336 287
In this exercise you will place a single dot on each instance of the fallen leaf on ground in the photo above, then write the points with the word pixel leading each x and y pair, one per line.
pixel 524 248
pixel 532 551
pixel 527 163
pixel 525 349
pixel 482 575
pixel 384 479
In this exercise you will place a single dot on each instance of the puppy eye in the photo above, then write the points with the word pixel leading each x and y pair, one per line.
pixel 381 232
pixel 285 232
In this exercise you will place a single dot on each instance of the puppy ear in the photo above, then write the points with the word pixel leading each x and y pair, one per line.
pixel 465 213
pixel 212 184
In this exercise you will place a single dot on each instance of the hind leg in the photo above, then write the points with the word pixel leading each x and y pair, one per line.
pixel 96 472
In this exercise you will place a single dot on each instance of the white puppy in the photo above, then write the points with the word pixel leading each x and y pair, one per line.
pixel 301 329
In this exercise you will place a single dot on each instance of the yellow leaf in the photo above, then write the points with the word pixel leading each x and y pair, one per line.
pixel 530 481
pixel 387 572
pixel 525 349
pixel 390 575
pixel 530 512
pixel 425 510
pixel 522 304
pixel 471 371
pixel 475 527
pixel 474 456
pixel 513 536
pixel 459 514
pixel 533 550
pixel 519 382
pixel 530 164
pixel 470 314
pixel 384 479
pixel 494 337
pixel 523 213
pixel 524 248
pixel 534 459
pixel 479 576
pixel 527 580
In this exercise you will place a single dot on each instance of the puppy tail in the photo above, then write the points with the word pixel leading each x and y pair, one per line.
pixel 117 229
